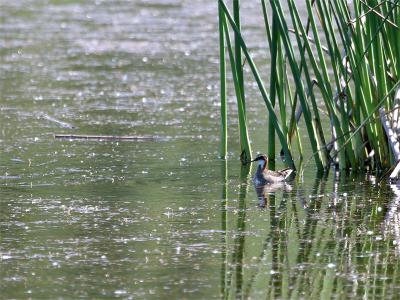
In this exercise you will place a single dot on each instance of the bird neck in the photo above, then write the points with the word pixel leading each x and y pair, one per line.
pixel 262 164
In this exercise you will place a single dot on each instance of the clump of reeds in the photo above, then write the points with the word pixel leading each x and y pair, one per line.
pixel 354 73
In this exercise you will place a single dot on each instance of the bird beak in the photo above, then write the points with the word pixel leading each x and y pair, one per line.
pixel 249 162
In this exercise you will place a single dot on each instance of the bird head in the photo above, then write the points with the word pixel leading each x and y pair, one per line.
pixel 262 160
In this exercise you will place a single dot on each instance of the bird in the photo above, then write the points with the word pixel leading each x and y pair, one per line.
pixel 264 176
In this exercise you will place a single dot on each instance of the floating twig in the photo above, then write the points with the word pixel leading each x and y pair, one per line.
pixel 105 137
pixel 10 177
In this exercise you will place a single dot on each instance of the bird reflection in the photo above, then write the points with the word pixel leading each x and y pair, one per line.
pixel 267 182
pixel 265 191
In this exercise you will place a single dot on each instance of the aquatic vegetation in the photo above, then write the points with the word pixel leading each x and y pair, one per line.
pixel 340 68
pixel 237 75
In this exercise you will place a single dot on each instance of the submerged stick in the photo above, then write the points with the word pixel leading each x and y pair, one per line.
pixel 105 137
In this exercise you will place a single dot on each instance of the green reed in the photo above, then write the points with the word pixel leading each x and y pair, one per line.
pixel 344 62
pixel 224 127
pixel 237 75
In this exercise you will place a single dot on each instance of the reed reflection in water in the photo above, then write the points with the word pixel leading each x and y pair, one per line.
pixel 338 240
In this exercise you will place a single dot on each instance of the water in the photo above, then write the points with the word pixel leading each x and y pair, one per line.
pixel 161 219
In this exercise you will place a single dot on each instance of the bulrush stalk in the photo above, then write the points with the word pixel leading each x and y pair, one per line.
pixel 243 133
pixel 332 76
pixel 222 69
pixel 260 84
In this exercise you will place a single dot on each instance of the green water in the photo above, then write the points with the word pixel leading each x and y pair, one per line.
pixel 162 219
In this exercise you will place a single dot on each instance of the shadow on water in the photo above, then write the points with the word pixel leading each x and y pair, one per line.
pixel 339 239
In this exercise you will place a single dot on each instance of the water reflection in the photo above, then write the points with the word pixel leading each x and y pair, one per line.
pixel 224 212
pixel 316 244
pixel 392 218
pixel 268 190
pixel 153 219
pixel 232 264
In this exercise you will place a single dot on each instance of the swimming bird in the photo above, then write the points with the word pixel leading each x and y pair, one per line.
pixel 264 176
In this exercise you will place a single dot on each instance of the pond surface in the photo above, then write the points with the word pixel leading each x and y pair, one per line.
pixel 162 218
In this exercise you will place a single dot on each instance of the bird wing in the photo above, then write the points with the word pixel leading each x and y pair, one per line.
pixel 286 172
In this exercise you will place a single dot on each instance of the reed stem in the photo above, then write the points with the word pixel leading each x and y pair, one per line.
pixel 222 70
